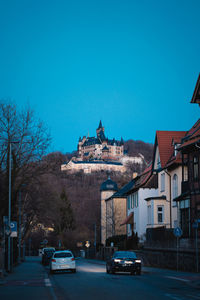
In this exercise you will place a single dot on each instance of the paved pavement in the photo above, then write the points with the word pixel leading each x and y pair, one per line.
pixel 29 280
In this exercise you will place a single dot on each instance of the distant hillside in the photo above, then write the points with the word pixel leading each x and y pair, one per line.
pixel 133 148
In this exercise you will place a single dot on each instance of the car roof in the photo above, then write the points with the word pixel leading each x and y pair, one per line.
pixel 125 252
pixel 61 251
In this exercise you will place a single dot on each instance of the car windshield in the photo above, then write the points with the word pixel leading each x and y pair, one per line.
pixel 125 255
pixel 49 249
pixel 62 254
pixel 49 253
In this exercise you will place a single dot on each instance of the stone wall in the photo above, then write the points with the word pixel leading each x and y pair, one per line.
pixel 167 258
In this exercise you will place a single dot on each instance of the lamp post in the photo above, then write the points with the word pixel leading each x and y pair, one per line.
pixel 19 237
pixel 9 202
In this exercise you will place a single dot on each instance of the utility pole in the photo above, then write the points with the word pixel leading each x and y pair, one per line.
pixel 19 239
pixel 9 204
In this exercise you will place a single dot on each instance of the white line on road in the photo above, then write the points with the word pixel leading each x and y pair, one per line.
pixel 177 278
pixel 47 282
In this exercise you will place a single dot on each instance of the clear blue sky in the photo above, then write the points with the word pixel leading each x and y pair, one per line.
pixel 132 64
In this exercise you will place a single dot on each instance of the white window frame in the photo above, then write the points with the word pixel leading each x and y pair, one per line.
pixel 161 212
pixel 162 182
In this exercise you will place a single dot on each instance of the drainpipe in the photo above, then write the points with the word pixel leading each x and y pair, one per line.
pixel 170 198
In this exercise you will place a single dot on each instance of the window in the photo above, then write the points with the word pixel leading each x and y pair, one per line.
pixel 158 163
pixel 175 186
pixel 160 214
pixel 128 200
pixel 162 182
pixel 195 168
pixel 149 214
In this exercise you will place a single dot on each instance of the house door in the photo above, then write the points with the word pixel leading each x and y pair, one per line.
pixel 185 221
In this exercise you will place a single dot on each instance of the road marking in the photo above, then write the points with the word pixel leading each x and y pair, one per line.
pixel 173 297
pixel 47 282
pixel 195 297
pixel 177 278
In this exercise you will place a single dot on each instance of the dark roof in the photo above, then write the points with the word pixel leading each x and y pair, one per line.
pixel 123 191
pixel 196 94
pixel 91 141
pixel 100 125
pixel 109 185
pixel 145 180
pixel 192 136
pixel 105 148
pixel 156 198
pixel 114 142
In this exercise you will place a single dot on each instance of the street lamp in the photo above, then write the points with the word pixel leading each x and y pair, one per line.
pixel 9 200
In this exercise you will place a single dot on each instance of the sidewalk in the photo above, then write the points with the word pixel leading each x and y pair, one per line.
pixel 27 281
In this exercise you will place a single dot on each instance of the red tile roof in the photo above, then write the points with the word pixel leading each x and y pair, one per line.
pixel 165 145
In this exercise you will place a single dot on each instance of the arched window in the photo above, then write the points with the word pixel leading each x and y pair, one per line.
pixel 175 186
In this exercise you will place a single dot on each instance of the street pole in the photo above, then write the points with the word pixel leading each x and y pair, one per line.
pixel 19 240
pixel 9 204
pixel 197 256
pixel 177 253
pixel 95 238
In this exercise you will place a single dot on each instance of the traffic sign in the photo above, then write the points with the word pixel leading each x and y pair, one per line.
pixel 195 224
pixel 178 232
pixel 13 228
pixel 87 244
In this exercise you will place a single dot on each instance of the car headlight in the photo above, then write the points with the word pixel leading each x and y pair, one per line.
pixel 117 260
pixel 138 261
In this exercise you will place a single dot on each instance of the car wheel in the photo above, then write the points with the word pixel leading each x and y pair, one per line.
pixel 51 271
pixel 112 271
pixel 138 272
pixel 107 270
pixel 132 273
pixel 73 270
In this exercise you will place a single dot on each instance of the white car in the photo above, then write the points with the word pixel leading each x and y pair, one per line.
pixel 62 260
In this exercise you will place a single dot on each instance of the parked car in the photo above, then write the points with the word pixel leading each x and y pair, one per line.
pixel 124 261
pixel 62 261
pixel 47 254
pixel 46 258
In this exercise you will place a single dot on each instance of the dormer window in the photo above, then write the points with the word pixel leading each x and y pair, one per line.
pixel 175 149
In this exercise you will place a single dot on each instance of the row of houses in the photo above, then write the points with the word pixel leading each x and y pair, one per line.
pixel 166 194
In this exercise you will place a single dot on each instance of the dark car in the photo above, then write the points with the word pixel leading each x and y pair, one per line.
pixel 47 255
pixel 124 261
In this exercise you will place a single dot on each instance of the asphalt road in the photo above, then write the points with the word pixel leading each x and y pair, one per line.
pixel 32 281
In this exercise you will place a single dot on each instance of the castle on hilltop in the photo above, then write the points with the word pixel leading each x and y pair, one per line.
pixel 100 154
pixel 100 147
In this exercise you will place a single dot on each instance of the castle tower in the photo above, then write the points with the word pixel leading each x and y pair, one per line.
pixel 100 132
pixel 108 188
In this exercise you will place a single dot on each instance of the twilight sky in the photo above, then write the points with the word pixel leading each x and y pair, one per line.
pixel 132 64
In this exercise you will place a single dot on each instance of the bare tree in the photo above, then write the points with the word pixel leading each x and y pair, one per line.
pixel 30 140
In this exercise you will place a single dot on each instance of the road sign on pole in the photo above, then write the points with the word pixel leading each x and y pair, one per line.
pixel 178 232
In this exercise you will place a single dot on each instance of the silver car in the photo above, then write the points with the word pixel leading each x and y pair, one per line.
pixel 62 261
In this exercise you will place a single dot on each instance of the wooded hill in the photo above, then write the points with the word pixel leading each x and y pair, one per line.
pixel 82 194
